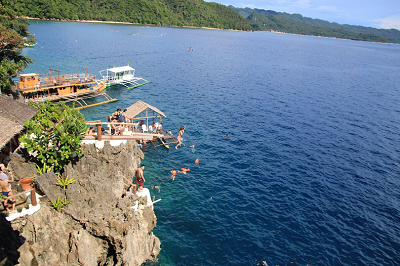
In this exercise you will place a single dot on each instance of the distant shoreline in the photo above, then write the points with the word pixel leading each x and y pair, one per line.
pixel 194 27
pixel 129 23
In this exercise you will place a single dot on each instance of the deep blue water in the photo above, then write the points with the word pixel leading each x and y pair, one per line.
pixel 310 173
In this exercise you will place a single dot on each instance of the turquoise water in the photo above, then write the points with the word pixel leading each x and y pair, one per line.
pixel 310 172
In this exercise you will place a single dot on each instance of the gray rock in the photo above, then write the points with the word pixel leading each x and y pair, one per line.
pixel 98 227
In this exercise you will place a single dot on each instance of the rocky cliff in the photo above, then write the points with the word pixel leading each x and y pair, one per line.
pixel 97 228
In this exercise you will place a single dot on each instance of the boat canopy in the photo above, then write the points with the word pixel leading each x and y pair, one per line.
pixel 139 107
pixel 29 75
pixel 120 69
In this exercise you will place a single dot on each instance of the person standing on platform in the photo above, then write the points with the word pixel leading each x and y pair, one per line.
pixel 139 178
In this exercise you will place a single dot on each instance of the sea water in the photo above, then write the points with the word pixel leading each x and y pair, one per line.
pixel 310 171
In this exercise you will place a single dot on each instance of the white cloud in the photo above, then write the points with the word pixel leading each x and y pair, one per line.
pixel 391 22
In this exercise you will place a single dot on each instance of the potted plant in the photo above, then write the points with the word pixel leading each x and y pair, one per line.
pixel 26 183
pixel 19 209
pixel 26 205
pixel 6 213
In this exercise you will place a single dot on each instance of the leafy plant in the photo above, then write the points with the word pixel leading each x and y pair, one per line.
pixel 13 35
pixel 56 134
pixel 26 205
pixel 43 170
pixel 59 203
pixel 6 213
pixel 19 209
pixel 64 182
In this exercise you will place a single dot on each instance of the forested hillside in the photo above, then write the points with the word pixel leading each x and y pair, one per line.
pixel 268 20
pixel 195 13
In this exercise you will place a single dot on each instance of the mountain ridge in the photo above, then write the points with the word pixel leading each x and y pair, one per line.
pixel 269 20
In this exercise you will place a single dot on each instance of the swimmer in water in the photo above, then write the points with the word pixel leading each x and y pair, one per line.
pixel 193 150
pixel 156 187
pixel 226 136
pixel 184 170
pixel 173 172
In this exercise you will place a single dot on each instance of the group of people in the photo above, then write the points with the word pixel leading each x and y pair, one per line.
pixel 139 179
pixel 115 118
pixel 116 125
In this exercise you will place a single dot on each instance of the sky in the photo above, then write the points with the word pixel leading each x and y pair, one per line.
pixel 369 13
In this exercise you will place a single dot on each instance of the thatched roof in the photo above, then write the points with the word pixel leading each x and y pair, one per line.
pixel 13 114
pixel 140 107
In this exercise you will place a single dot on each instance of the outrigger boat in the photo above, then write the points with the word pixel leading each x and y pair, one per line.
pixel 69 88
pixel 124 75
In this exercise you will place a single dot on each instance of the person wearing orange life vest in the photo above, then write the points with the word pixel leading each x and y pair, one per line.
pixel 173 172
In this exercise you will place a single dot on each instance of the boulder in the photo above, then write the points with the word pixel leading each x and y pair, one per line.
pixel 98 227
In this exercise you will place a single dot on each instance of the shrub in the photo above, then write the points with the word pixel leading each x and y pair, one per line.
pixel 56 134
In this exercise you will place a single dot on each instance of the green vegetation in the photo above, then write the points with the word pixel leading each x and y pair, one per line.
pixel 44 169
pixel 13 36
pixel 55 135
pixel 195 13
pixel 59 203
pixel 64 182
pixel 268 20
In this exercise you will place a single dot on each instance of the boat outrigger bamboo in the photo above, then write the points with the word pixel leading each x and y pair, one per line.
pixel 69 88
pixel 124 75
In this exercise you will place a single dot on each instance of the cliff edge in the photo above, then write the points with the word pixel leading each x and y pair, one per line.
pixel 98 227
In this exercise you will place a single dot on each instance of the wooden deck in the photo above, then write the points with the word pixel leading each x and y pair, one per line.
pixel 134 136
pixel 165 137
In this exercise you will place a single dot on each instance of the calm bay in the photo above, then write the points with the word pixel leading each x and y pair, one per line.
pixel 310 172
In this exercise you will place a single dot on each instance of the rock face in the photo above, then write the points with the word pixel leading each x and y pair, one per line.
pixel 98 227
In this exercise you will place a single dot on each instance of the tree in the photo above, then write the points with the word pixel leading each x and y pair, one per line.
pixel 13 36
pixel 56 134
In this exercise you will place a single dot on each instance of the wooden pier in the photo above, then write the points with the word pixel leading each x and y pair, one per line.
pixel 134 134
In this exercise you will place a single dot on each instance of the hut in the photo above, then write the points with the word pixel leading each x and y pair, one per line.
pixel 144 112
pixel 13 114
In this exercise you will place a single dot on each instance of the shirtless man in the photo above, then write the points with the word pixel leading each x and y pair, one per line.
pixel 6 188
pixel 139 178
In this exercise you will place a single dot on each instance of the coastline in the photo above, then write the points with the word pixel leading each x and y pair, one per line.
pixel 194 27
pixel 130 23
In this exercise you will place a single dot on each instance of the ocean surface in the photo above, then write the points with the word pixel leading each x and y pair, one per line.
pixel 310 171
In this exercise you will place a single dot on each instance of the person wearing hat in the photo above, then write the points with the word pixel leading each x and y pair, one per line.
pixel 6 188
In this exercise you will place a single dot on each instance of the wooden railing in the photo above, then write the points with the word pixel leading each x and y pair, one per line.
pixel 33 196
pixel 98 125
pixel 58 81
